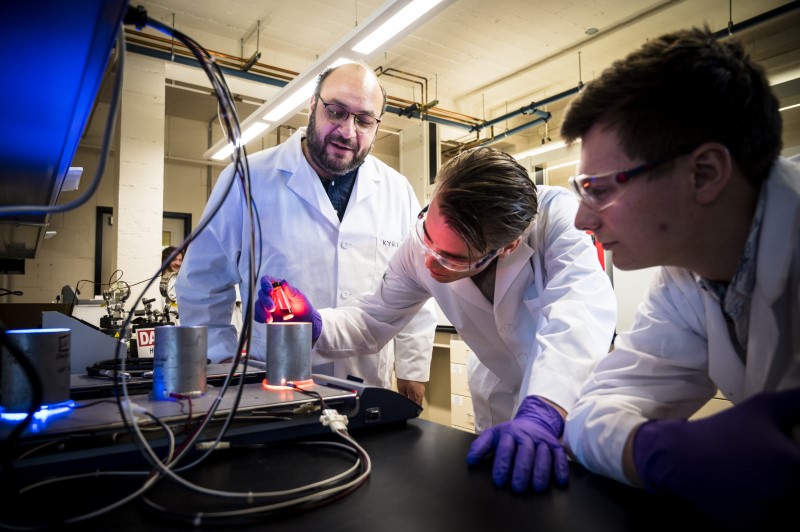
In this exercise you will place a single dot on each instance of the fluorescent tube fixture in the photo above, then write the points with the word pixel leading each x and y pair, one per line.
pixel 298 98
pixel 394 25
pixel 388 22
pixel 249 134
pixel 550 146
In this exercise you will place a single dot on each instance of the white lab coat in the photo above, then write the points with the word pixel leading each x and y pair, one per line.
pixel 552 319
pixel 678 352
pixel 300 239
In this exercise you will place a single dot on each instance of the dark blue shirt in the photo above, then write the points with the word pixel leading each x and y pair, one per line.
pixel 338 190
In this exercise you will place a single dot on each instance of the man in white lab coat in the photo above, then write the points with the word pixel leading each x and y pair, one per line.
pixel 522 286
pixel 681 168
pixel 329 217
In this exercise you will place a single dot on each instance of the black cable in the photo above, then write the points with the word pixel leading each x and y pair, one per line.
pixel 229 119
pixel 227 110
pixel 112 368
pixel 312 393
pixel 7 292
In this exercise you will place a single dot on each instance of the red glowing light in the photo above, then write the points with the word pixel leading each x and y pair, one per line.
pixel 281 301
pixel 287 385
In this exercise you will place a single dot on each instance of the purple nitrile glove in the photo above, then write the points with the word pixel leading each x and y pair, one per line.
pixel 740 465
pixel 266 310
pixel 529 442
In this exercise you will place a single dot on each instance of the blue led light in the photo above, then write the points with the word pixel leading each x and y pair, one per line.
pixel 36 331
pixel 40 418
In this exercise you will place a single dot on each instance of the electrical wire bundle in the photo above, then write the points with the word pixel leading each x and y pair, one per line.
pixel 137 419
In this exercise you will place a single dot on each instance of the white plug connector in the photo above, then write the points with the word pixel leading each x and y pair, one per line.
pixel 205 445
pixel 135 408
pixel 333 419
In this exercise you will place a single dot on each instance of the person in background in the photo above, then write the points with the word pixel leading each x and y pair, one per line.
pixel 175 264
pixel 680 168
pixel 331 215
pixel 169 276
pixel 522 286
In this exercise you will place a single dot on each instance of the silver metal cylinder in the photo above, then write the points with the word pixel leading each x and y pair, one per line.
pixel 48 350
pixel 288 353
pixel 180 359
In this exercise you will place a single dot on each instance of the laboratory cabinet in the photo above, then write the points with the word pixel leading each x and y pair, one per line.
pixel 447 399
pixel 461 414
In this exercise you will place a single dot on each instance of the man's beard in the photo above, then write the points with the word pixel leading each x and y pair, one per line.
pixel 332 165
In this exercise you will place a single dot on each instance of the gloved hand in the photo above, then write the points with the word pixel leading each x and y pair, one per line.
pixel 740 466
pixel 266 311
pixel 530 442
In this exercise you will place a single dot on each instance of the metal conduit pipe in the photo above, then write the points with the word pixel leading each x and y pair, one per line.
pixel 412 113
pixel 758 19
pixel 423 85
pixel 727 32
pixel 192 62
pixel 514 131
pixel 149 52
pixel 497 138
pixel 530 109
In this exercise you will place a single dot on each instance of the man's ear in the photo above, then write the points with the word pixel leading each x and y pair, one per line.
pixel 507 249
pixel 712 166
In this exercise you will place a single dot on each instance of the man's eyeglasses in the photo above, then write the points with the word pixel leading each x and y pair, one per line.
pixel 601 191
pixel 337 114
pixel 456 264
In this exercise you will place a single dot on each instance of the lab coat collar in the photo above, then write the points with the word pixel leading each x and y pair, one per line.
pixel 366 181
pixel 782 212
pixel 509 268
pixel 301 177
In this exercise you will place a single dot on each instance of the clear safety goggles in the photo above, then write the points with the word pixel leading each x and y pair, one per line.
pixel 601 191
pixel 456 264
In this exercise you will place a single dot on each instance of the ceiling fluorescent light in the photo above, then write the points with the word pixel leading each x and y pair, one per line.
pixel 563 165
pixel 394 25
pixel 297 93
pixel 550 146
pixel 249 134
pixel 298 97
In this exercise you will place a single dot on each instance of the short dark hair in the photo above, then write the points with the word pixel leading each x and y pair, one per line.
pixel 327 72
pixel 678 91
pixel 487 197
pixel 166 252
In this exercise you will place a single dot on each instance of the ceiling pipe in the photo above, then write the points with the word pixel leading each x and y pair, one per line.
pixel 413 111
pixel 166 56
pixel 514 131
pixel 423 85
pixel 758 19
pixel 533 107
pixel 530 109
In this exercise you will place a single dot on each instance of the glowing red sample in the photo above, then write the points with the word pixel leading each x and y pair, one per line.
pixel 281 301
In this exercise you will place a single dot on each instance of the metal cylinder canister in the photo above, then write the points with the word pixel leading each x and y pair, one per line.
pixel 180 359
pixel 288 353
pixel 48 351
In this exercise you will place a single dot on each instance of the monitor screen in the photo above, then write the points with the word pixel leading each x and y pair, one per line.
pixel 55 54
